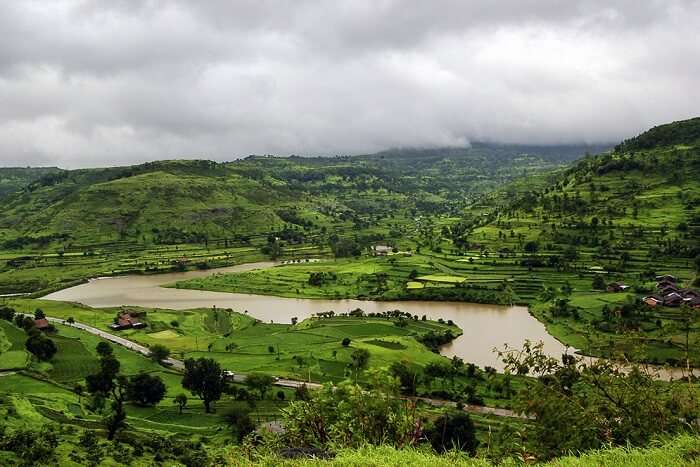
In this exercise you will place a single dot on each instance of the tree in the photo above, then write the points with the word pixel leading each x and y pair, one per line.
pixel 78 389
pixel 181 402
pixel 578 405
pixel 346 342
pixel 531 247
pixel 205 379
pixel 90 445
pixel 159 353
pixel 239 421
pixel 359 361
pixel 348 415
pixel 566 289
pixel 145 390
pixel 294 320
pixel 41 347
pixel 301 393
pixel 24 444
pixel 598 282
pixel 453 431
pixel 104 349
pixel 260 383
pixel 7 313
pixel 688 318
pixel 437 370
pixel 70 320
pixel 39 314
pixel 108 383
pixel 408 377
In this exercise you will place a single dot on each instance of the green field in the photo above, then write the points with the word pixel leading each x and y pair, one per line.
pixel 13 356
pixel 242 344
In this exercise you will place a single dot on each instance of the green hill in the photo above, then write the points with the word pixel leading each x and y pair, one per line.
pixel 14 179
pixel 684 132
pixel 625 216
pixel 192 201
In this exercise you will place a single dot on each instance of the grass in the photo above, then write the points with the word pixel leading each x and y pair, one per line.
pixel 13 356
pixel 241 343
pixel 676 452
pixel 14 360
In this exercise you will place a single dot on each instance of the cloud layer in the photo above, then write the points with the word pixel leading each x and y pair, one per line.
pixel 93 83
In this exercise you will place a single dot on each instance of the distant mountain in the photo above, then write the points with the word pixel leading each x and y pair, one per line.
pixel 181 201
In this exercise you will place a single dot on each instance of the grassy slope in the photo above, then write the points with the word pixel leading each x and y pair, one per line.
pixel 44 393
pixel 680 451
pixel 14 179
pixel 219 200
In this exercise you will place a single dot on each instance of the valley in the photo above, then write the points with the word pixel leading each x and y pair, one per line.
pixel 399 274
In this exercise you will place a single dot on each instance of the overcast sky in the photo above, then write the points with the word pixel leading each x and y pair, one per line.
pixel 94 83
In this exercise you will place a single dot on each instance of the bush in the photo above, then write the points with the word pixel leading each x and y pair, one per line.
pixel 453 431
pixel 239 422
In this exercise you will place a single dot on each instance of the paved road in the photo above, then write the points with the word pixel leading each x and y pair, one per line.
pixel 179 364
pixel 480 409
pixel 287 383
pixel 172 362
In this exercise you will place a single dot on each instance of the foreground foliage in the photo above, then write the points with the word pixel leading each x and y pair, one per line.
pixel 579 405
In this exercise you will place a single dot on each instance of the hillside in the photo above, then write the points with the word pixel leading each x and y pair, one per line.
pixel 624 216
pixel 554 241
pixel 191 201
pixel 14 179
pixel 684 132
pixel 69 225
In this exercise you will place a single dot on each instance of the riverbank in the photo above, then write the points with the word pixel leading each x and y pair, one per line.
pixel 640 333
pixel 485 326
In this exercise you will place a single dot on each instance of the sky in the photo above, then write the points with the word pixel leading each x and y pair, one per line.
pixel 94 83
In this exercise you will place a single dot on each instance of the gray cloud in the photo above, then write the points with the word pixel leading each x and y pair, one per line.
pixel 92 83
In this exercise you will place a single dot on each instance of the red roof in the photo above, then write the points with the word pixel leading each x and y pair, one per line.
pixel 41 323
pixel 126 319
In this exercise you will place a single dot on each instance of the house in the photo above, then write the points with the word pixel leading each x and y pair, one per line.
pixel 666 277
pixel 127 321
pixel 689 293
pixel 653 300
pixel 41 323
pixel 382 250
pixel 617 287
pixel 668 290
pixel 673 299
pixel 694 302
pixel 662 284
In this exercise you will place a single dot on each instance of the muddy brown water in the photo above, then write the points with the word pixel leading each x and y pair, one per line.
pixel 485 326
